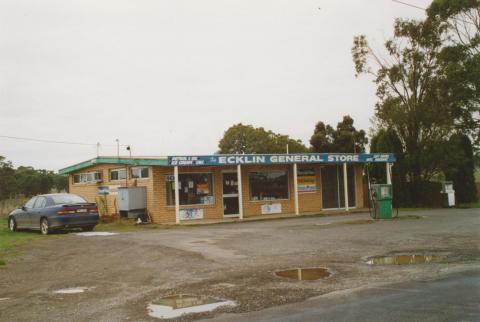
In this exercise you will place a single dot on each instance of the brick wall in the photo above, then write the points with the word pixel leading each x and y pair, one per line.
pixel 157 191
pixel 89 191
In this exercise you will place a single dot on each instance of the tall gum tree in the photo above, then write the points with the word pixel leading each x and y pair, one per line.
pixel 407 77
pixel 460 61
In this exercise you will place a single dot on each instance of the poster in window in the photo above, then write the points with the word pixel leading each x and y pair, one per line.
pixel 307 181
pixel 202 189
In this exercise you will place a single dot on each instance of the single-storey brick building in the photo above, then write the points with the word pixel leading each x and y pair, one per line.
pixel 224 186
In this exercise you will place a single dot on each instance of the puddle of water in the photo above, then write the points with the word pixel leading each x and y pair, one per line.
pixel 72 290
pixel 304 274
pixel 96 233
pixel 178 305
pixel 404 259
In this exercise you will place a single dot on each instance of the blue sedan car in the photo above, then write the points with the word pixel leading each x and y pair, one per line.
pixel 54 211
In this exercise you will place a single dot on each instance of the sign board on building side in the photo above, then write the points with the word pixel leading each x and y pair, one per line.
pixel 307 158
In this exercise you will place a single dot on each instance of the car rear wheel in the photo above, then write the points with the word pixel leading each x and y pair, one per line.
pixel 88 228
pixel 44 228
pixel 12 225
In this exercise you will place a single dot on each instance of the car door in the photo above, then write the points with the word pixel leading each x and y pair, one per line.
pixel 35 214
pixel 22 218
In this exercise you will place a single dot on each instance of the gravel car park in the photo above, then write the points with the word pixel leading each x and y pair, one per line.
pixel 116 277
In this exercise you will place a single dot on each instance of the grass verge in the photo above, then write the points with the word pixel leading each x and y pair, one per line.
pixel 469 205
pixel 9 241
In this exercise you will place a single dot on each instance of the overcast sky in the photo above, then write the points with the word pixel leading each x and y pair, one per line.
pixel 169 77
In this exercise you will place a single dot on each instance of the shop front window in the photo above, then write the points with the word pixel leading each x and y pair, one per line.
pixel 268 185
pixel 193 189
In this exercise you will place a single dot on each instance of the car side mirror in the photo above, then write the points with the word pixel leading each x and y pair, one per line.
pixel 24 208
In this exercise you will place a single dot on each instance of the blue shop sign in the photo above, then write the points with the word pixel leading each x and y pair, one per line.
pixel 306 158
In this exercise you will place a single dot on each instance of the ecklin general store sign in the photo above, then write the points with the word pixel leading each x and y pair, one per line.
pixel 234 159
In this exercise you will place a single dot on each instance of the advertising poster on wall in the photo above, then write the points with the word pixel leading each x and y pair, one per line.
pixel 191 213
pixel 307 181
pixel 274 208
pixel 103 190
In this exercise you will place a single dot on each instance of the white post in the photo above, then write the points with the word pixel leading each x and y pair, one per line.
pixel 345 185
pixel 389 175
pixel 295 188
pixel 240 191
pixel 177 195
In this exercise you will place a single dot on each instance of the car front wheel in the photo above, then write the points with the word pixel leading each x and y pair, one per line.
pixel 88 228
pixel 12 225
pixel 44 228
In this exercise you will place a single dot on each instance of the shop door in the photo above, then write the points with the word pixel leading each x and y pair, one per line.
pixel 333 193
pixel 230 194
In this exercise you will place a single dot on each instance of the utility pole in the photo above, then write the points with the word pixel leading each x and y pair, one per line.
pixel 98 149
pixel 287 148
pixel 118 148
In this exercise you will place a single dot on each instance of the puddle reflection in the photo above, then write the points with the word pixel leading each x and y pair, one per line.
pixel 178 305
pixel 404 259
pixel 304 274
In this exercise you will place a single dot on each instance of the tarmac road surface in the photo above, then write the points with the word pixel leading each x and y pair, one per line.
pixel 455 298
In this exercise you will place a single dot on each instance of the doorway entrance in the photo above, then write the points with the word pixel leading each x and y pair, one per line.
pixel 333 194
pixel 230 194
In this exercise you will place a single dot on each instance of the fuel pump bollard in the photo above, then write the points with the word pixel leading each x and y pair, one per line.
pixel 382 200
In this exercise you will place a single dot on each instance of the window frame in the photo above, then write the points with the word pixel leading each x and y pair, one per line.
pixel 269 200
pixel 96 176
pixel 141 168
pixel 116 170
pixel 193 204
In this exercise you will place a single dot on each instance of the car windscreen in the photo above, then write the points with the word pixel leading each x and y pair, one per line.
pixel 66 199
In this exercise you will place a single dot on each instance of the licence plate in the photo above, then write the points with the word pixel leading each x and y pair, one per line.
pixel 82 210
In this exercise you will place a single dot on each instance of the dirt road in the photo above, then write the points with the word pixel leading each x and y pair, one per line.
pixel 123 273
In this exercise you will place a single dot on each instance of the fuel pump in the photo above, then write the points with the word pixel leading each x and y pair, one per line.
pixel 380 198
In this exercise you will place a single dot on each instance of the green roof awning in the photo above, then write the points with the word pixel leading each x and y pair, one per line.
pixel 113 160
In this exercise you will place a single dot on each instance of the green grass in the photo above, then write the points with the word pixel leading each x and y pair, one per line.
pixel 10 241
pixel 355 222
pixel 469 205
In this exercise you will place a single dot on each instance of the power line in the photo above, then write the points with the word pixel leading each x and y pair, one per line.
pixel 410 5
pixel 425 9
pixel 54 142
